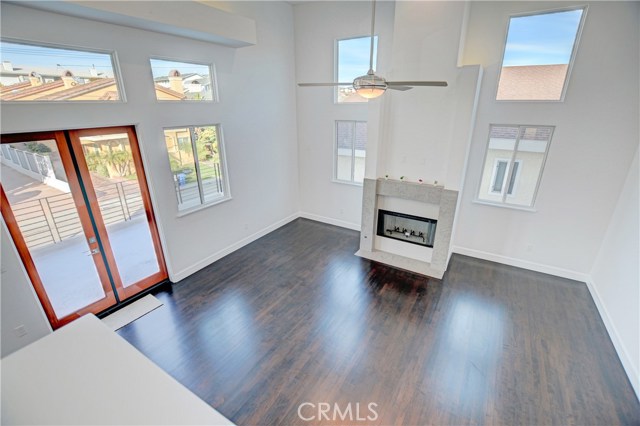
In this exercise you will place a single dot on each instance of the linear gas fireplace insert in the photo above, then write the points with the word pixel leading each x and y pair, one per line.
pixel 404 227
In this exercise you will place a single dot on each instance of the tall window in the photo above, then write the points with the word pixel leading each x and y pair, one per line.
pixel 196 157
pixel 513 164
pixel 353 61
pixel 33 73
pixel 183 81
pixel 351 147
pixel 538 55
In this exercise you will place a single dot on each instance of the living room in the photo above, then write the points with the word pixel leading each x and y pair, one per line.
pixel 279 149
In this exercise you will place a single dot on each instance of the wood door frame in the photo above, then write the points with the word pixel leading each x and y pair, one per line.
pixel 85 221
pixel 161 275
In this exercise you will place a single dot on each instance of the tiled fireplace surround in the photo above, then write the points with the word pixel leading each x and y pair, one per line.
pixel 444 199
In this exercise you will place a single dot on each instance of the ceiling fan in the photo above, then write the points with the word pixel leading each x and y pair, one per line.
pixel 370 85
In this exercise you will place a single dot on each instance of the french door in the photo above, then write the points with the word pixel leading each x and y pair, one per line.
pixel 77 206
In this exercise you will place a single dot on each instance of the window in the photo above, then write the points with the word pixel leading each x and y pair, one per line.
pixel 353 61
pixel 500 173
pixel 538 54
pixel 351 148
pixel 183 81
pixel 32 73
pixel 513 164
pixel 196 157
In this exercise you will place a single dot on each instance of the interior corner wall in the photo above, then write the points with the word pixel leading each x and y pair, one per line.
pixel 615 278
pixel 592 148
pixel 256 111
pixel 317 27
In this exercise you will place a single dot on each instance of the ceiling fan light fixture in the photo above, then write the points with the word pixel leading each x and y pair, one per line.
pixel 370 86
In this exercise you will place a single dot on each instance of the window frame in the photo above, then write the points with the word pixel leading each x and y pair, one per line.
pixel 512 159
pixel 215 98
pixel 515 179
pixel 223 168
pixel 574 50
pixel 336 65
pixel 353 153
pixel 115 65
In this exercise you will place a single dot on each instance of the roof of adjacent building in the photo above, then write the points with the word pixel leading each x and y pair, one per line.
pixel 19 91
pixel 532 82
pixel 530 133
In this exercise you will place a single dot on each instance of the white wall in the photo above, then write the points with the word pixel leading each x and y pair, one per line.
pixel 256 110
pixel 419 134
pixel 19 306
pixel 317 26
pixel 592 148
pixel 615 277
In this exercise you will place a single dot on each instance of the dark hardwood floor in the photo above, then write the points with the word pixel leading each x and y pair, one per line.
pixel 295 317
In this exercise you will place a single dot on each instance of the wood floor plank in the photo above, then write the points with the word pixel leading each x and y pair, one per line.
pixel 295 317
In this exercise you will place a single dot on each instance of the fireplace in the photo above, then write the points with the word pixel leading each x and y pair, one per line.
pixel 407 228
pixel 429 257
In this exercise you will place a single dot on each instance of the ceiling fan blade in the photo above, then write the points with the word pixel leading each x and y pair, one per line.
pixel 402 88
pixel 417 83
pixel 323 84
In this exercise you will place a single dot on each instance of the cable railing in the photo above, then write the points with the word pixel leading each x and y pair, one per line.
pixel 51 220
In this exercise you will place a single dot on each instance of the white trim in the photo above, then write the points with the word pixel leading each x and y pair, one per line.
pixel 507 206
pixel 185 272
pixel 203 206
pixel 330 221
pixel 347 182
pixel 525 264
pixel 625 359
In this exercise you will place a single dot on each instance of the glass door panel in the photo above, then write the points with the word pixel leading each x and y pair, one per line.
pixel 47 217
pixel 109 159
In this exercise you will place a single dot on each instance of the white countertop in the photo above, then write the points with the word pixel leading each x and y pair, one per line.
pixel 84 373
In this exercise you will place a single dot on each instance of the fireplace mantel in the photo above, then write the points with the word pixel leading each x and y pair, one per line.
pixel 436 195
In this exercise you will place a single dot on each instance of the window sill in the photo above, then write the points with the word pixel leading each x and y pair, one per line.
pixel 190 210
pixel 505 206
pixel 346 182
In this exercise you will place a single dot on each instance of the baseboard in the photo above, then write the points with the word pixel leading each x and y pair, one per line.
pixel 525 264
pixel 184 273
pixel 625 359
pixel 330 221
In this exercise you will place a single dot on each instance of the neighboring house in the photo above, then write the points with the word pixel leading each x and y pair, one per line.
pixel 193 84
pixel 10 74
pixel 68 87
pixel 532 82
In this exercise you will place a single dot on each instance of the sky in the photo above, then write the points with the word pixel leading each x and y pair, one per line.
pixel 353 57
pixel 161 68
pixel 542 39
pixel 25 56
